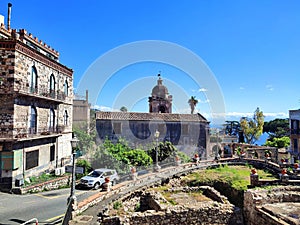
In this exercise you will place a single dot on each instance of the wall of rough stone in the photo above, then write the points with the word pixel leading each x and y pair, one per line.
pixel 16 98
pixel 22 82
pixel 254 199
pixel 15 74
pixel 210 214
pixel 219 211
pixel 45 186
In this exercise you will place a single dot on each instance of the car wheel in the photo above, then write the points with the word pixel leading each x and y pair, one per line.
pixel 96 186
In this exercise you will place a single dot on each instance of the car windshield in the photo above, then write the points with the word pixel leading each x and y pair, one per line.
pixel 94 174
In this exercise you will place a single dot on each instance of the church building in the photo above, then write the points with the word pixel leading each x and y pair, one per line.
pixel 188 132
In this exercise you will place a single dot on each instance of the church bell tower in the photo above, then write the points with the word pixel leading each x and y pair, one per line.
pixel 160 100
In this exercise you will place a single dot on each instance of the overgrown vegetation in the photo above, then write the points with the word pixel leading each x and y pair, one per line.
pixel 117 205
pixel 279 142
pixel 164 151
pixel 86 167
pixel 39 179
pixel 236 176
pixel 120 156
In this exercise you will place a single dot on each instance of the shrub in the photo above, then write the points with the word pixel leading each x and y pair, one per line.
pixel 86 167
pixel 117 205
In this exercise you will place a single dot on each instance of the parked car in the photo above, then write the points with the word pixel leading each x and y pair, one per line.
pixel 97 177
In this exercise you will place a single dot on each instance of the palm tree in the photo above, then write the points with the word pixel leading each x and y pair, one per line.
pixel 193 102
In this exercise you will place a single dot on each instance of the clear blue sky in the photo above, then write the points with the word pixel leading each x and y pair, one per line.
pixel 252 47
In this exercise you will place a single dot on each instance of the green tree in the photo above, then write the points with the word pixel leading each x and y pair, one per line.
pixel 277 128
pixel 183 157
pixel 233 128
pixel 86 140
pixel 86 167
pixel 104 159
pixel 193 102
pixel 253 127
pixel 164 150
pixel 280 142
pixel 123 109
pixel 120 156
pixel 136 157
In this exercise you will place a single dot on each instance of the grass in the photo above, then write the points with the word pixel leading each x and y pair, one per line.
pixel 237 176
pixel 117 205
pixel 198 196
pixel 170 196
pixel 40 179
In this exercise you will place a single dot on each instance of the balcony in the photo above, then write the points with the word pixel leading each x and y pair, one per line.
pixel 31 132
pixel 44 93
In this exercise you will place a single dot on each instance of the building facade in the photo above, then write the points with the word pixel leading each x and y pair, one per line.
pixel 188 132
pixel 294 118
pixel 81 112
pixel 36 95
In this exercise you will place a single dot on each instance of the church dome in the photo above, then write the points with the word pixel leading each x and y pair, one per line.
pixel 160 90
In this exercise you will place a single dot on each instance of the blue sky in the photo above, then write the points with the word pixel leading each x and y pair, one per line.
pixel 251 47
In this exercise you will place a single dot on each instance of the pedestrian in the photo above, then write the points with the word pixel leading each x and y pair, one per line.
pixel 196 159
pixel 133 173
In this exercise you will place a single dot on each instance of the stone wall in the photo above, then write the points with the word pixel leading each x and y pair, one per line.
pixel 17 96
pixel 210 212
pixel 45 186
pixel 254 201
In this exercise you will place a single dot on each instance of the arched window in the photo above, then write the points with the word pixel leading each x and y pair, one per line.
pixel 33 120
pixel 52 120
pixel 66 117
pixel 33 80
pixel 162 109
pixel 52 86
pixel 66 87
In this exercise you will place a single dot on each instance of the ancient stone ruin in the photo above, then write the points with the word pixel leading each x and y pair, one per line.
pixel 176 205
pixel 275 206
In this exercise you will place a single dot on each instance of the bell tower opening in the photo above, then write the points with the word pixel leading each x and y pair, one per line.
pixel 162 109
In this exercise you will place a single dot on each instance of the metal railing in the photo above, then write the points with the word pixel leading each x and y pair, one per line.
pixel 43 92
pixel 33 220
pixel 32 132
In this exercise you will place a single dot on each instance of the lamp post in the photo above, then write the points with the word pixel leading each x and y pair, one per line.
pixel 157 167
pixel 74 143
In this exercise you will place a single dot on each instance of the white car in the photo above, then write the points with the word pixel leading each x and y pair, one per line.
pixel 97 177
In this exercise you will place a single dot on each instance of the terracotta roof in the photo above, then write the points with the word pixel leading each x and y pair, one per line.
pixel 172 117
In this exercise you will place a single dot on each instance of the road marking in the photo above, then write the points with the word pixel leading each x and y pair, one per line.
pixel 55 218
pixel 25 202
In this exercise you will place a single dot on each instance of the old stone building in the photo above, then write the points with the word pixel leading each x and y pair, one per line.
pixel 188 132
pixel 36 94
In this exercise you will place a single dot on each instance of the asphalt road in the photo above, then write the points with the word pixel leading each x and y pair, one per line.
pixel 48 207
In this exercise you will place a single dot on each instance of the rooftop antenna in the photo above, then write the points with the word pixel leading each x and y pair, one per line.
pixel 8 15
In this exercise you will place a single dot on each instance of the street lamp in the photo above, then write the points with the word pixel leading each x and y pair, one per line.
pixel 157 167
pixel 74 143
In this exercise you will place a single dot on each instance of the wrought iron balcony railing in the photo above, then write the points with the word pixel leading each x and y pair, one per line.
pixel 43 92
pixel 32 132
